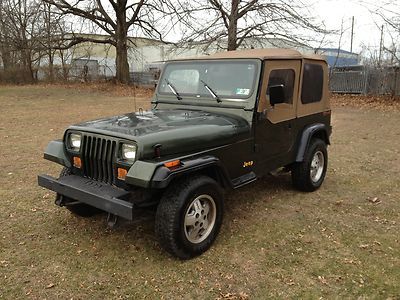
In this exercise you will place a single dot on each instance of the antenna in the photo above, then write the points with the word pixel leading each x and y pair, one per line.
pixel 134 95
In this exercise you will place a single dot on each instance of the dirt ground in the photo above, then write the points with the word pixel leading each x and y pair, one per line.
pixel 340 241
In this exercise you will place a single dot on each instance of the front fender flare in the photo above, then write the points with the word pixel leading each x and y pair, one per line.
pixel 156 175
pixel 55 152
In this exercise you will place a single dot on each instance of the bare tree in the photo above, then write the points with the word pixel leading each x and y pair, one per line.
pixel 388 14
pixel 235 21
pixel 52 36
pixel 19 26
pixel 29 31
pixel 339 47
pixel 5 52
pixel 117 18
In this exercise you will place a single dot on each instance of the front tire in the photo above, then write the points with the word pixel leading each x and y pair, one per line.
pixel 309 174
pixel 78 209
pixel 189 216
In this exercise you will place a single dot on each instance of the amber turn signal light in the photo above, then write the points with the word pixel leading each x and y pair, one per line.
pixel 173 164
pixel 77 162
pixel 122 173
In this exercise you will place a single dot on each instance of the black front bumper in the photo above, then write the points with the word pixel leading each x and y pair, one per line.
pixel 101 195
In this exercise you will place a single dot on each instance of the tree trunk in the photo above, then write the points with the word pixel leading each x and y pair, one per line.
pixel 121 36
pixel 28 68
pixel 6 57
pixel 121 61
pixel 26 56
pixel 26 65
pixel 65 69
pixel 51 65
pixel 232 30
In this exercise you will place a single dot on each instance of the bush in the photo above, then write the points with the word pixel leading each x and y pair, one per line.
pixel 16 75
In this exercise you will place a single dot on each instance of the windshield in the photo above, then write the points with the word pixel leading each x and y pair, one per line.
pixel 213 79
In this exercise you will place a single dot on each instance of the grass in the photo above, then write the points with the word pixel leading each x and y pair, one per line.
pixel 341 241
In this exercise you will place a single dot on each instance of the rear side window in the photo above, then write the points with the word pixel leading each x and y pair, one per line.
pixel 313 81
pixel 284 77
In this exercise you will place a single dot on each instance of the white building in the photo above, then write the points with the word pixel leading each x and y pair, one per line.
pixel 98 60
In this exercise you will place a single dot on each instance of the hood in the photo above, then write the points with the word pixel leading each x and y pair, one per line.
pixel 177 131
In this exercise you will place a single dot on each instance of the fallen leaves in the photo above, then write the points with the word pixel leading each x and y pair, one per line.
pixel 233 296
pixel 322 280
pixel 349 261
pixel 290 282
pixel 374 200
pixel 339 202
pixel 373 247
pixel 50 285
pixel 382 102
pixel 4 263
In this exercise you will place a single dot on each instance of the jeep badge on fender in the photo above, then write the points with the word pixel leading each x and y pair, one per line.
pixel 217 122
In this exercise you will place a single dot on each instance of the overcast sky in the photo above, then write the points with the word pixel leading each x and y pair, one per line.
pixel 366 27
pixel 367 31
pixel 333 12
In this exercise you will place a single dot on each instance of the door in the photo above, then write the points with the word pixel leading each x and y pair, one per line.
pixel 274 136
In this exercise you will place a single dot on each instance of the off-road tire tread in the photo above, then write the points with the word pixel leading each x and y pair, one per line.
pixel 167 216
pixel 301 171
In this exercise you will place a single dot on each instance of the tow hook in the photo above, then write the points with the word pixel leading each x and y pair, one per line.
pixel 112 220
pixel 61 201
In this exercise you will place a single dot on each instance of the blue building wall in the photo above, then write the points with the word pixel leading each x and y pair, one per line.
pixel 341 61
pixel 339 57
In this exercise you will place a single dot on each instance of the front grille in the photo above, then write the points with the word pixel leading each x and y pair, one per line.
pixel 97 156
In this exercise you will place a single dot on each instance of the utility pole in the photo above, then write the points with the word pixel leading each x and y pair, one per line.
pixel 352 33
pixel 380 48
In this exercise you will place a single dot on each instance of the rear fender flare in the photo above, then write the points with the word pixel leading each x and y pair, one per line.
pixel 308 133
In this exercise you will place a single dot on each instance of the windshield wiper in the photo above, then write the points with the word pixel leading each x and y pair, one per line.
pixel 215 96
pixel 174 91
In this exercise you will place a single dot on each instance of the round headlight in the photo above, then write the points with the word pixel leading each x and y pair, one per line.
pixel 75 141
pixel 128 152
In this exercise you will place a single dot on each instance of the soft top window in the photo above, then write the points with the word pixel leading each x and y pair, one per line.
pixel 313 82
pixel 284 77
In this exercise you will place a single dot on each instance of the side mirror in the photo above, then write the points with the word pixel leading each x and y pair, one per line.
pixel 276 94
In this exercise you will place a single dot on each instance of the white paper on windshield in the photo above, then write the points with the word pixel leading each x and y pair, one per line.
pixel 243 92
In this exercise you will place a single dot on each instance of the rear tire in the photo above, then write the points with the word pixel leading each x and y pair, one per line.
pixel 189 216
pixel 309 174
pixel 79 209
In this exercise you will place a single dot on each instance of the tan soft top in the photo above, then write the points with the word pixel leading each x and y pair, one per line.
pixel 268 53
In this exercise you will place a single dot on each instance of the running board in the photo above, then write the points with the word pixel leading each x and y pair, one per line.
pixel 244 179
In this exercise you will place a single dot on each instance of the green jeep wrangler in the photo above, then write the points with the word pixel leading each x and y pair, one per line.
pixel 217 123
